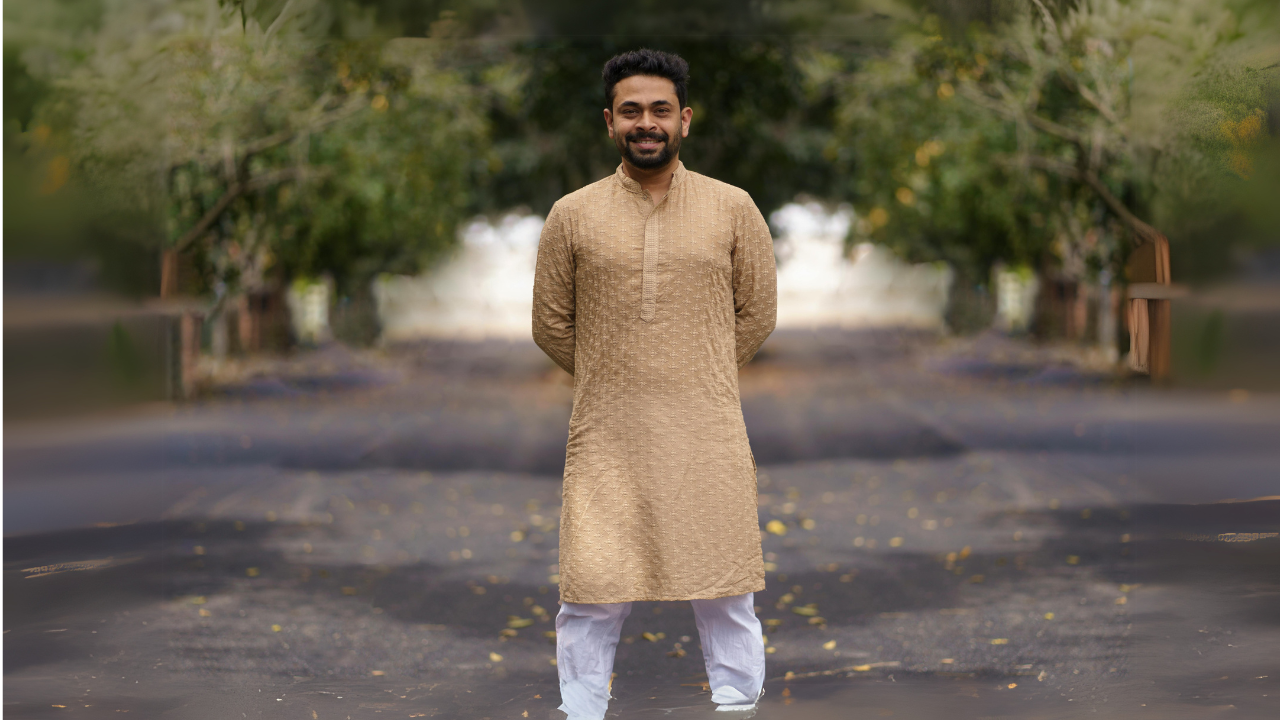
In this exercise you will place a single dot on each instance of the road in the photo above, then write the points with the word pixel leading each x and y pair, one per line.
pixel 973 527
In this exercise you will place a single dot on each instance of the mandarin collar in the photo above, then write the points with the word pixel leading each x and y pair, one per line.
pixel 631 185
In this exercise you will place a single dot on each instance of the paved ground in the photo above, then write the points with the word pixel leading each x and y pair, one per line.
pixel 970 528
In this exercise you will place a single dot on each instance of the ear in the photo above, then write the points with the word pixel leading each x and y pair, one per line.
pixel 608 121
pixel 686 117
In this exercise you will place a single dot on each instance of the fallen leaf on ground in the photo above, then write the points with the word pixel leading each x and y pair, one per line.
pixel 514 621
pixel 999 641
pixel 806 610
pixel 495 657
pixel 378 672
pixel 776 527
pixel 829 645
pixel 649 636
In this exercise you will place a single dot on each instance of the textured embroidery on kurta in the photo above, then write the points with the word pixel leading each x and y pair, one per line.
pixel 653 308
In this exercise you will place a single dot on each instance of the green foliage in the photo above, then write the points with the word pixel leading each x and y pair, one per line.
pixel 277 139
pixel 1057 133
pixel 253 138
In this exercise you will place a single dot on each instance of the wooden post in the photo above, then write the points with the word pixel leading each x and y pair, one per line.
pixel 168 273
pixel 1150 314
pixel 190 328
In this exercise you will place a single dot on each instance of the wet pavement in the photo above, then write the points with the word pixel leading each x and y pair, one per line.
pixel 968 528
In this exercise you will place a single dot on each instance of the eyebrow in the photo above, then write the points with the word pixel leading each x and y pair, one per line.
pixel 633 103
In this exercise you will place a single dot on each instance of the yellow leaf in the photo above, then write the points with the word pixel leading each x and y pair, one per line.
pixel 808 523
pixel 378 672
pixel 999 641
pixel 861 668
pixel 198 600
pixel 829 645
pixel 817 621
pixel 965 551
pixel 1073 559
pixel 205 613
pixel 895 542
pixel 495 657
pixel 549 634
pixel 276 628
pixel 649 636
pixel 518 622
pixel 776 527
pixel 1048 616
pixel 252 572
pixel 1122 600
pixel 807 610
pixel 1013 685
pixel 771 650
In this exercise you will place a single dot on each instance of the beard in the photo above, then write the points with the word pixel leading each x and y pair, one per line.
pixel 648 160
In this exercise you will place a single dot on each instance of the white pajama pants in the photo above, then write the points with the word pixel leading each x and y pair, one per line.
pixel 587 636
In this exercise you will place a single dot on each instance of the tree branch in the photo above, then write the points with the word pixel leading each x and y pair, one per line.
pixel 234 191
pixel 1145 232
pixel 1036 121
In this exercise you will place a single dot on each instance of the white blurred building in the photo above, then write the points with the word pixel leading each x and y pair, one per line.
pixel 485 290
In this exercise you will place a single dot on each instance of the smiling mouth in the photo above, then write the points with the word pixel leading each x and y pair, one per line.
pixel 647 144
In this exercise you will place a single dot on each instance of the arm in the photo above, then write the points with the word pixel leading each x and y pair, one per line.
pixel 755 283
pixel 553 292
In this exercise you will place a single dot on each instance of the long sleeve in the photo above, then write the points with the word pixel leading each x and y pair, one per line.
pixel 755 283
pixel 553 292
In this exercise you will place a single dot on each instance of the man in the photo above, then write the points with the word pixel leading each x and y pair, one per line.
pixel 653 287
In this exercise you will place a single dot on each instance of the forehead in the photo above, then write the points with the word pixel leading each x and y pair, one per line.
pixel 645 90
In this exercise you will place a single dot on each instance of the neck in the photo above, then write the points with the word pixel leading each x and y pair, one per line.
pixel 656 181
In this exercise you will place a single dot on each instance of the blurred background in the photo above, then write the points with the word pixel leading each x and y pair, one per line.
pixel 267 276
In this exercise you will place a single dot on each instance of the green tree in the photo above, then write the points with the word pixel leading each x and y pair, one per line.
pixel 1057 135
pixel 268 139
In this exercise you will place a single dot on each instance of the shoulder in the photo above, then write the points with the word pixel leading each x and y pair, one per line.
pixel 584 197
pixel 731 195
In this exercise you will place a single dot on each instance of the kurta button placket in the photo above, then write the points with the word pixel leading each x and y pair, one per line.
pixel 649 270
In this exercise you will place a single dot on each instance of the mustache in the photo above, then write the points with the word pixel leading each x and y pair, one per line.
pixel 641 136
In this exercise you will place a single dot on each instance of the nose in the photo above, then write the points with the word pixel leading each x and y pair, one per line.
pixel 648 121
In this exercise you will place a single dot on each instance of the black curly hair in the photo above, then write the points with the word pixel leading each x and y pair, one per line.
pixel 646 62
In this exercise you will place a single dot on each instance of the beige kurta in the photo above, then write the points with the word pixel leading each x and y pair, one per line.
pixel 653 309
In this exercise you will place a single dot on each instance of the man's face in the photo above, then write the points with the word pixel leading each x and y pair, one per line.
pixel 646 121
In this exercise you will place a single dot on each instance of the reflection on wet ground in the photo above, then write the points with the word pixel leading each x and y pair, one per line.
pixel 1057 551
